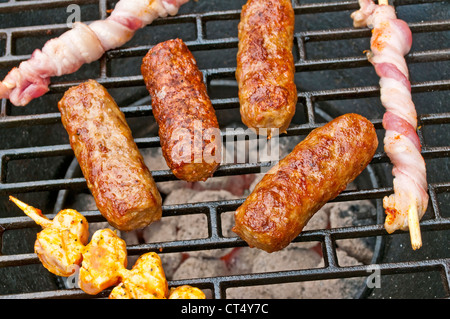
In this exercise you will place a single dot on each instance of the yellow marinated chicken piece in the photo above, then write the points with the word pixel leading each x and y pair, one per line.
pixel 186 292
pixel 104 262
pixel 146 280
pixel 60 244
pixel 120 292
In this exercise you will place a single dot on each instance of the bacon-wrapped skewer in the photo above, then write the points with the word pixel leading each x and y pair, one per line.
pixel 79 45
pixel 62 248
pixel 391 40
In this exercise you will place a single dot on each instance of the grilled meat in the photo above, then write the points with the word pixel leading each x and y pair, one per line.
pixel 186 292
pixel 265 65
pixel 391 41
pixel 188 128
pixel 115 172
pixel 104 262
pixel 63 249
pixel 82 44
pixel 60 244
pixel 315 172
pixel 146 280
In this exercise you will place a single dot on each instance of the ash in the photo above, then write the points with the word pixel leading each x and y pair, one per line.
pixel 245 260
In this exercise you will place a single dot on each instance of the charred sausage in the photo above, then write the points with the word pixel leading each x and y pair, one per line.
pixel 265 65
pixel 315 172
pixel 123 188
pixel 188 128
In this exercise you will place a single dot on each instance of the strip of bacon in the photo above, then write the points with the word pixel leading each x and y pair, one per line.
pixel 391 40
pixel 79 45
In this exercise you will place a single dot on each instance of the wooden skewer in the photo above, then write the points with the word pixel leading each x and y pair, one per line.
pixel 414 227
pixel 34 213
pixel 413 216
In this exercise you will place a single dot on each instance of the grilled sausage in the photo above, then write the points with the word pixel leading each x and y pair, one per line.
pixel 188 128
pixel 265 65
pixel 122 185
pixel 315 172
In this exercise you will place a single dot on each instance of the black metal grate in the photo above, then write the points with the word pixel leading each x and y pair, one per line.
pixel 309 102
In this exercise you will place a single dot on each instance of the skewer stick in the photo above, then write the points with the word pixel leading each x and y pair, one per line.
pixel 34 213
pixel 414 227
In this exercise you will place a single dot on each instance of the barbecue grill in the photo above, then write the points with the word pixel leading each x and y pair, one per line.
pixel 333 77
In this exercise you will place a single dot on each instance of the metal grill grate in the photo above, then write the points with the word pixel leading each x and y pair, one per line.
pixel 309 101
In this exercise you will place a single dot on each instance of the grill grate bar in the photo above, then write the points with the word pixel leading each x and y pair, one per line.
pixel 201 43
pixel 220 284
pixel 167 175
pixel 230 103
pixel 14 5
pixel 328 236
pixel 216 240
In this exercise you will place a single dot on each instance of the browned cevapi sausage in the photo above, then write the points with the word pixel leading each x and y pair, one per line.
pixel 315 172
pixel 115 172
pixel 265 66
pixel 188 128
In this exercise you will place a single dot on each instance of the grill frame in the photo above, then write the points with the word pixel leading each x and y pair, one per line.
pixel 327 237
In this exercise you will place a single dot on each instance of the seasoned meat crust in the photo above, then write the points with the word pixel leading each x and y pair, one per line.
pixel 265 65
pixel 188 128
pixel 115 172
pixel 315 172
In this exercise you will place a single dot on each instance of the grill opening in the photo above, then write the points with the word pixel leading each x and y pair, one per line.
pixel 333 77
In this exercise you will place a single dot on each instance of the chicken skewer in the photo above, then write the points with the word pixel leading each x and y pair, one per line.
pixel 79 45
pixel 63 247
pixel 104 265
pixel 60 244
pixel 391 40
